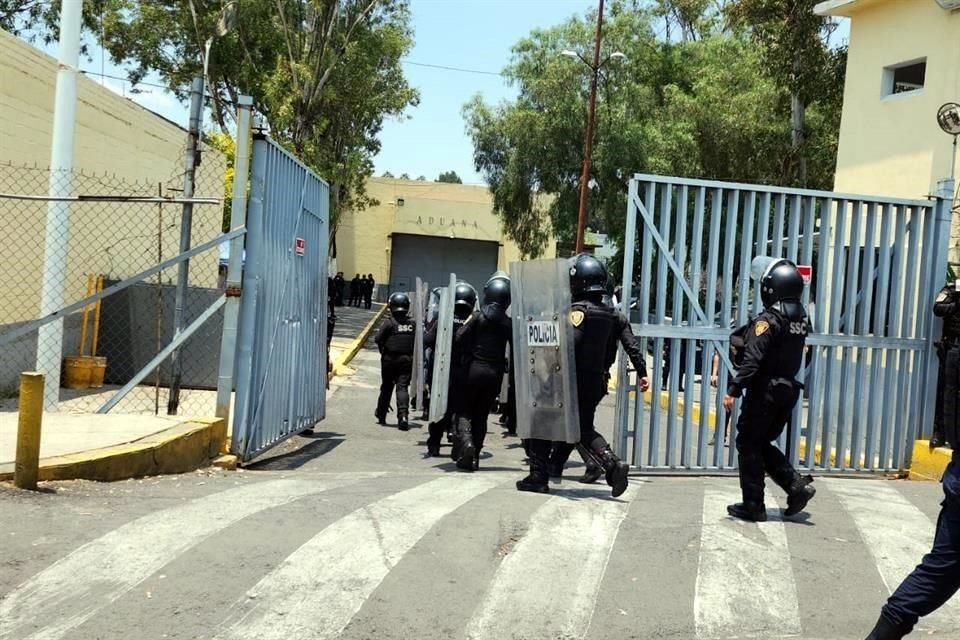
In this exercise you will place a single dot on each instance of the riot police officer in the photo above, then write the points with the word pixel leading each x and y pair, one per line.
pixel 937 578
pixel 465 300
pixel 482 341
pixel 947 411
pixel 395 340
pixel 772 356
pixel 597 328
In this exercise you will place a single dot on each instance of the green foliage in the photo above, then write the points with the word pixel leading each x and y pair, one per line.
pixel 325 74
pixel 404 176
pixel 449 177
pixel 226 145
pixel 705 106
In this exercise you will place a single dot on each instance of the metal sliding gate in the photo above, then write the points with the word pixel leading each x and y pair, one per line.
pixel 281 368
pixel 870 370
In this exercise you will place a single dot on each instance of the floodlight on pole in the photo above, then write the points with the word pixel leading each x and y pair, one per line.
pixel 948 117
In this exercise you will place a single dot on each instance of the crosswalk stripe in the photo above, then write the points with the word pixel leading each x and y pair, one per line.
pixel 316 591
pixel 898 535
pixel 533 594
pixel 78 586
pixel 745 584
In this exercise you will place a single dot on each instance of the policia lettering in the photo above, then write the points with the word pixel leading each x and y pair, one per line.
pixel 937 578
pixel 772 354
pixel 395 339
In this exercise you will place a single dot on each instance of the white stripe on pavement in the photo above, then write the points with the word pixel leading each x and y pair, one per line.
pixel 76 587
pixel 547 586
pixel 316 591
pixel 745 584
pixel 897 535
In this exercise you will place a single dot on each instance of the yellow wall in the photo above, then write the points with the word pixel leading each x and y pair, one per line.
pixel 429 208
pixel 892 146
pixel 120 149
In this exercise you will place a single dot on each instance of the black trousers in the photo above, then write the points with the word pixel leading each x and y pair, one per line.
pixel 946 419
pixel 937 578
pixel 764 412
pixel 368 299
pixel 481 386
pixel 454 391
pixel 591 387
pixel 395 371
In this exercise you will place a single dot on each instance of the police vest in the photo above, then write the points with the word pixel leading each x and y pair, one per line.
pixel 401 339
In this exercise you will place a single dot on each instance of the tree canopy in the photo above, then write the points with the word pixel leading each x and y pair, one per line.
pixel 449 177
pixel 703 105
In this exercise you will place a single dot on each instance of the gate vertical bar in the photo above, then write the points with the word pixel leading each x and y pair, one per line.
pixel 643 306
pixel 877 446
pixel 680 346
pixel 238 220
pixel 706 354
pixel 849 403
pixel 908 364
pixel 890 417
pixel 836 296
pixel 729 259
pixel 815 416
pixel 863 426
pixel 666 209
pixel 763 234
pixel 710 310
pixel 626 291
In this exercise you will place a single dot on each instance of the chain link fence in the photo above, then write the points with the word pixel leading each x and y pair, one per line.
pixel 110 239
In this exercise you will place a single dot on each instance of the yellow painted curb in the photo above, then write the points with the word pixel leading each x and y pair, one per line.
pixel 348 354
pixel 929 464
pixel 181 448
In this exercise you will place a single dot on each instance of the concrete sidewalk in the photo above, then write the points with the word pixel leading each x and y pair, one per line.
pixel 117 445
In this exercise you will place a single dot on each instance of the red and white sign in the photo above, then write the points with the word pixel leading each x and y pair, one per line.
pixel 806 272
pixel 300 247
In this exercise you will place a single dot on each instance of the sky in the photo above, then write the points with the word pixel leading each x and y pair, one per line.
pixel 431 138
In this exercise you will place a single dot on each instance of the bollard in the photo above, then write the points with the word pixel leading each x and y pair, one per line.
pixel 27 466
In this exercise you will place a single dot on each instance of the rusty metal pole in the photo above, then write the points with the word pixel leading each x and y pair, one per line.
pixel 588 142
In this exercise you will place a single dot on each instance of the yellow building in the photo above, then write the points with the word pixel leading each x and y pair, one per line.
pixel 120 148
pixel 904 62
pixel 423 229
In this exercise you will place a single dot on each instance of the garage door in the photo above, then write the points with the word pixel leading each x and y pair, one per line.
pixel 434 259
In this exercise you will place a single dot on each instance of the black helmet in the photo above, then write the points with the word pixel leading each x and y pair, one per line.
pixel 464 297
pixel 780 281
pixel 399 303
pixel 587 275
pixel 497 291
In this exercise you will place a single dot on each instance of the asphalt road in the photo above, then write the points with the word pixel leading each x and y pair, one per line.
pixel 352 533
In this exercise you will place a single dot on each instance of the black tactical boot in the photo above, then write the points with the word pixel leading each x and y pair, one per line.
pixel 381 417
pixel 749 511
pixel 593 471
pixel 937 439
pixel 433 440
pixel 886 630
pixel 800 494
pixel 537 481
pixel 402 423
pixel 555 470
pixel 467 451
pixel 616 470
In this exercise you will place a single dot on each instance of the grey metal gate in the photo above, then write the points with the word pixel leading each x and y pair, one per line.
pixel 876 265
pixel 281 364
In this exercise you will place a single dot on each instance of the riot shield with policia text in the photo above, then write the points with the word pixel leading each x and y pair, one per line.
pixel 442 350
pixel 543 351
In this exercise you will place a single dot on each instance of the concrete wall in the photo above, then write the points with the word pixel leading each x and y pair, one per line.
pixel 120 149
pixel 892 145
pixel 432 209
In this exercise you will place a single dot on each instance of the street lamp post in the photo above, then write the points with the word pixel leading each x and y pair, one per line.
pixel 595 67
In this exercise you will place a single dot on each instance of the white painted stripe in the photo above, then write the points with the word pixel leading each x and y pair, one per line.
pixel 547 586
pixel 745 584
pixel 316 591
pixel 897 534
pixel 76 587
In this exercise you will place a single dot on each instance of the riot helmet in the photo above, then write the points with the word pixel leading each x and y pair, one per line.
pixel 497 291
pixel 779 280
pixel 464 299
pixel 399 304
pixel 587 276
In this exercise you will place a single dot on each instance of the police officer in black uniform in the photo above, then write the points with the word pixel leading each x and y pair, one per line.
pixel 596 329
pixel 482 341
pixel 464 301
pixel 947 411
pixel 773 350
pixel 937 578
pixel 395 338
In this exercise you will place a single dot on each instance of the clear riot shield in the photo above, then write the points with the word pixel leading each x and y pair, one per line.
pixel 440 383
pixel 543 351
pixel 416 374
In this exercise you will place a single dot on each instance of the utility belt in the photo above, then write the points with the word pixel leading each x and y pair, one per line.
pixel 949 342
pixel 769 382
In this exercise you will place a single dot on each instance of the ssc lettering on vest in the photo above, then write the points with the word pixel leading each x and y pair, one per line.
pixel 798 328
pixel 543 333
pixel 404 328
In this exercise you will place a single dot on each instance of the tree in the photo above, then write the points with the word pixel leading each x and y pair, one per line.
pixel 450 177
pixel 404 176
pixel 421 178
pixel 386 174
pixel 325 73
pixel 796 54
pixel 226 145
pixel 702 107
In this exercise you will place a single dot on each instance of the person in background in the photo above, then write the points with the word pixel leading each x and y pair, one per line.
pixel 368 291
